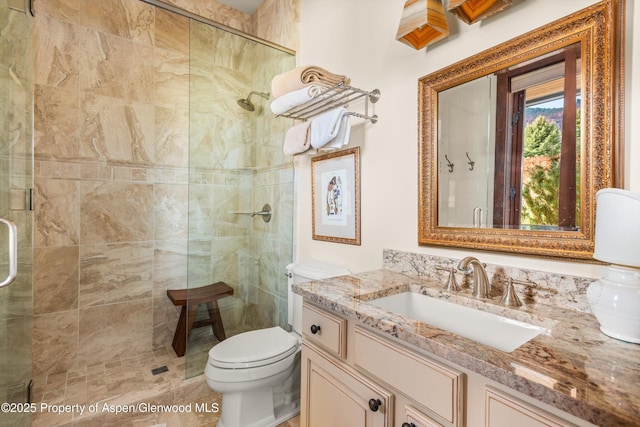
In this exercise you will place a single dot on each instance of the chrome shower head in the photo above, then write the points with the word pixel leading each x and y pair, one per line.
pixel 246 103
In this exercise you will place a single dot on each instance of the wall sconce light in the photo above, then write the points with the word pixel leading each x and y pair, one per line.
pixel 615 298
pixel 471 11
pixel 422 22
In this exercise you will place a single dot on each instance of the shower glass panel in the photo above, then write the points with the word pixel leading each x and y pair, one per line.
pixel 16 180
pixel 236 167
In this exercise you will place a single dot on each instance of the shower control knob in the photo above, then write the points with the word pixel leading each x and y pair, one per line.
pixel 315 329
pixel 374 404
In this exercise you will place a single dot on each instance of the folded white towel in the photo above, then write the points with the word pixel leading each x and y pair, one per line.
pixel 296 98
pixel 326 126
pixel 297 139
pixel 342 138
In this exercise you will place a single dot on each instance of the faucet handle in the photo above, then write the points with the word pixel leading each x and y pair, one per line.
pixel 510 297
pixel 452 283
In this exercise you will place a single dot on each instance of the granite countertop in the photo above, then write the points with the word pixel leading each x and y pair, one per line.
pixel 573 366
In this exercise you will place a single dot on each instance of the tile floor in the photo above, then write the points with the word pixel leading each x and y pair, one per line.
pixel 126 383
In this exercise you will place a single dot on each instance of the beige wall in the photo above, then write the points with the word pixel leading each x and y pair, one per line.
pixel 111 178
pixel 362 44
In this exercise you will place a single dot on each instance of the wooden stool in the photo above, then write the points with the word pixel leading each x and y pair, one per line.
pixel 192 298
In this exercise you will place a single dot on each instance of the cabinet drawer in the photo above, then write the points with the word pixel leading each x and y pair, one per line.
pixel 503 410
pixel 325 329
pixel 415 418
pixel 431 384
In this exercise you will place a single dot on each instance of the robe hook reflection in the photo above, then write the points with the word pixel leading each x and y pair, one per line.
pixel 470 162
pixel 449 164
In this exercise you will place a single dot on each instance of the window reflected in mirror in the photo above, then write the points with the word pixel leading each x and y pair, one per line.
pixel 509 147
pixel 538 143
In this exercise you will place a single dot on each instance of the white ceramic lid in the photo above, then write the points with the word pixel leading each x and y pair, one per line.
pixel 315 270
pixel 253 348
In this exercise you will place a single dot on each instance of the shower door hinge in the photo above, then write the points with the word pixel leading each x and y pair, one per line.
pixel 21 199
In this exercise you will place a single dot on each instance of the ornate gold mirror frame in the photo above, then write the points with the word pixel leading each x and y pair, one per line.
pixel 599 29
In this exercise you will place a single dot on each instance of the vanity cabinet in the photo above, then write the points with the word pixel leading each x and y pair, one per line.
pixel 353 377
pixel 346 367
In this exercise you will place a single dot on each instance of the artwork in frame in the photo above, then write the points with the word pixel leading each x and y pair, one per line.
pixel 335 196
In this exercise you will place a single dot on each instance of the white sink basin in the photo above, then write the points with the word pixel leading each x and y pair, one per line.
pixel 486 328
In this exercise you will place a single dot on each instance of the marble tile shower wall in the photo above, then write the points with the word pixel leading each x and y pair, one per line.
pixel 275 20
pixel 273 243
pixel 248 170
pixel 112 181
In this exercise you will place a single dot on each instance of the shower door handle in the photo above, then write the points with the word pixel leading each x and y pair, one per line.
pixel 13 252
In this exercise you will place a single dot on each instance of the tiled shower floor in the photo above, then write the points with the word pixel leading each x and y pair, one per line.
pixel 123 382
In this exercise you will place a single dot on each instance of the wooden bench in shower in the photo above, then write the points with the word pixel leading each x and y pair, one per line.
pixel 190 300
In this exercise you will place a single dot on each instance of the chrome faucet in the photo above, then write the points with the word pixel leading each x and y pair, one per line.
pixel 481 284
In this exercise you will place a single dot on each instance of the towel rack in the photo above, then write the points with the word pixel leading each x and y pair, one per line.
pixel 335 96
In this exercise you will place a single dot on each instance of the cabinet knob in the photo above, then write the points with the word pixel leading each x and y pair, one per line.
pixel 315 329
pixel 374 404
pixel 408 425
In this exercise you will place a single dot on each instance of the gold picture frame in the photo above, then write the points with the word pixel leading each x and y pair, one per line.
pixel 335 196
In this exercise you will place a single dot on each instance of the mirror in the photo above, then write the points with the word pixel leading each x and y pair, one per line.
pixel 515 141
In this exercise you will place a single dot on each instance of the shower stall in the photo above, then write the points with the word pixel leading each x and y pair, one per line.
pixel 240 184
pixel 128 175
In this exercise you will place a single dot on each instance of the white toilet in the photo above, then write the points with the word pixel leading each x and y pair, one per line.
pixel 258 372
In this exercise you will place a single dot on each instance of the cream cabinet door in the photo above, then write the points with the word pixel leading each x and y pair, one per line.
pixel 336 395
pixel 503 410
pixel 437 387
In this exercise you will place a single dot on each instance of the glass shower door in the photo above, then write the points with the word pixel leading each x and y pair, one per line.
pixel 236 167
pixel 16 182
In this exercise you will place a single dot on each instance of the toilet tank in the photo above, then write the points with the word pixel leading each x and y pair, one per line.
pixel 305 271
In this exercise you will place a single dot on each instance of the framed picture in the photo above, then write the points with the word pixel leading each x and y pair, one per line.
pixel 335 196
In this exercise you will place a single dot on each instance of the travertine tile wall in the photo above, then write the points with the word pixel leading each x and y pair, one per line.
pixel 277 21
pixel 111 167
pixel 238 170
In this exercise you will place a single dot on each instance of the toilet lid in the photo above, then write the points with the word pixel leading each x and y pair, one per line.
pixel 253 348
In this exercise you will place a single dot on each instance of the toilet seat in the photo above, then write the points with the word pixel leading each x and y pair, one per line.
pixel 253 349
